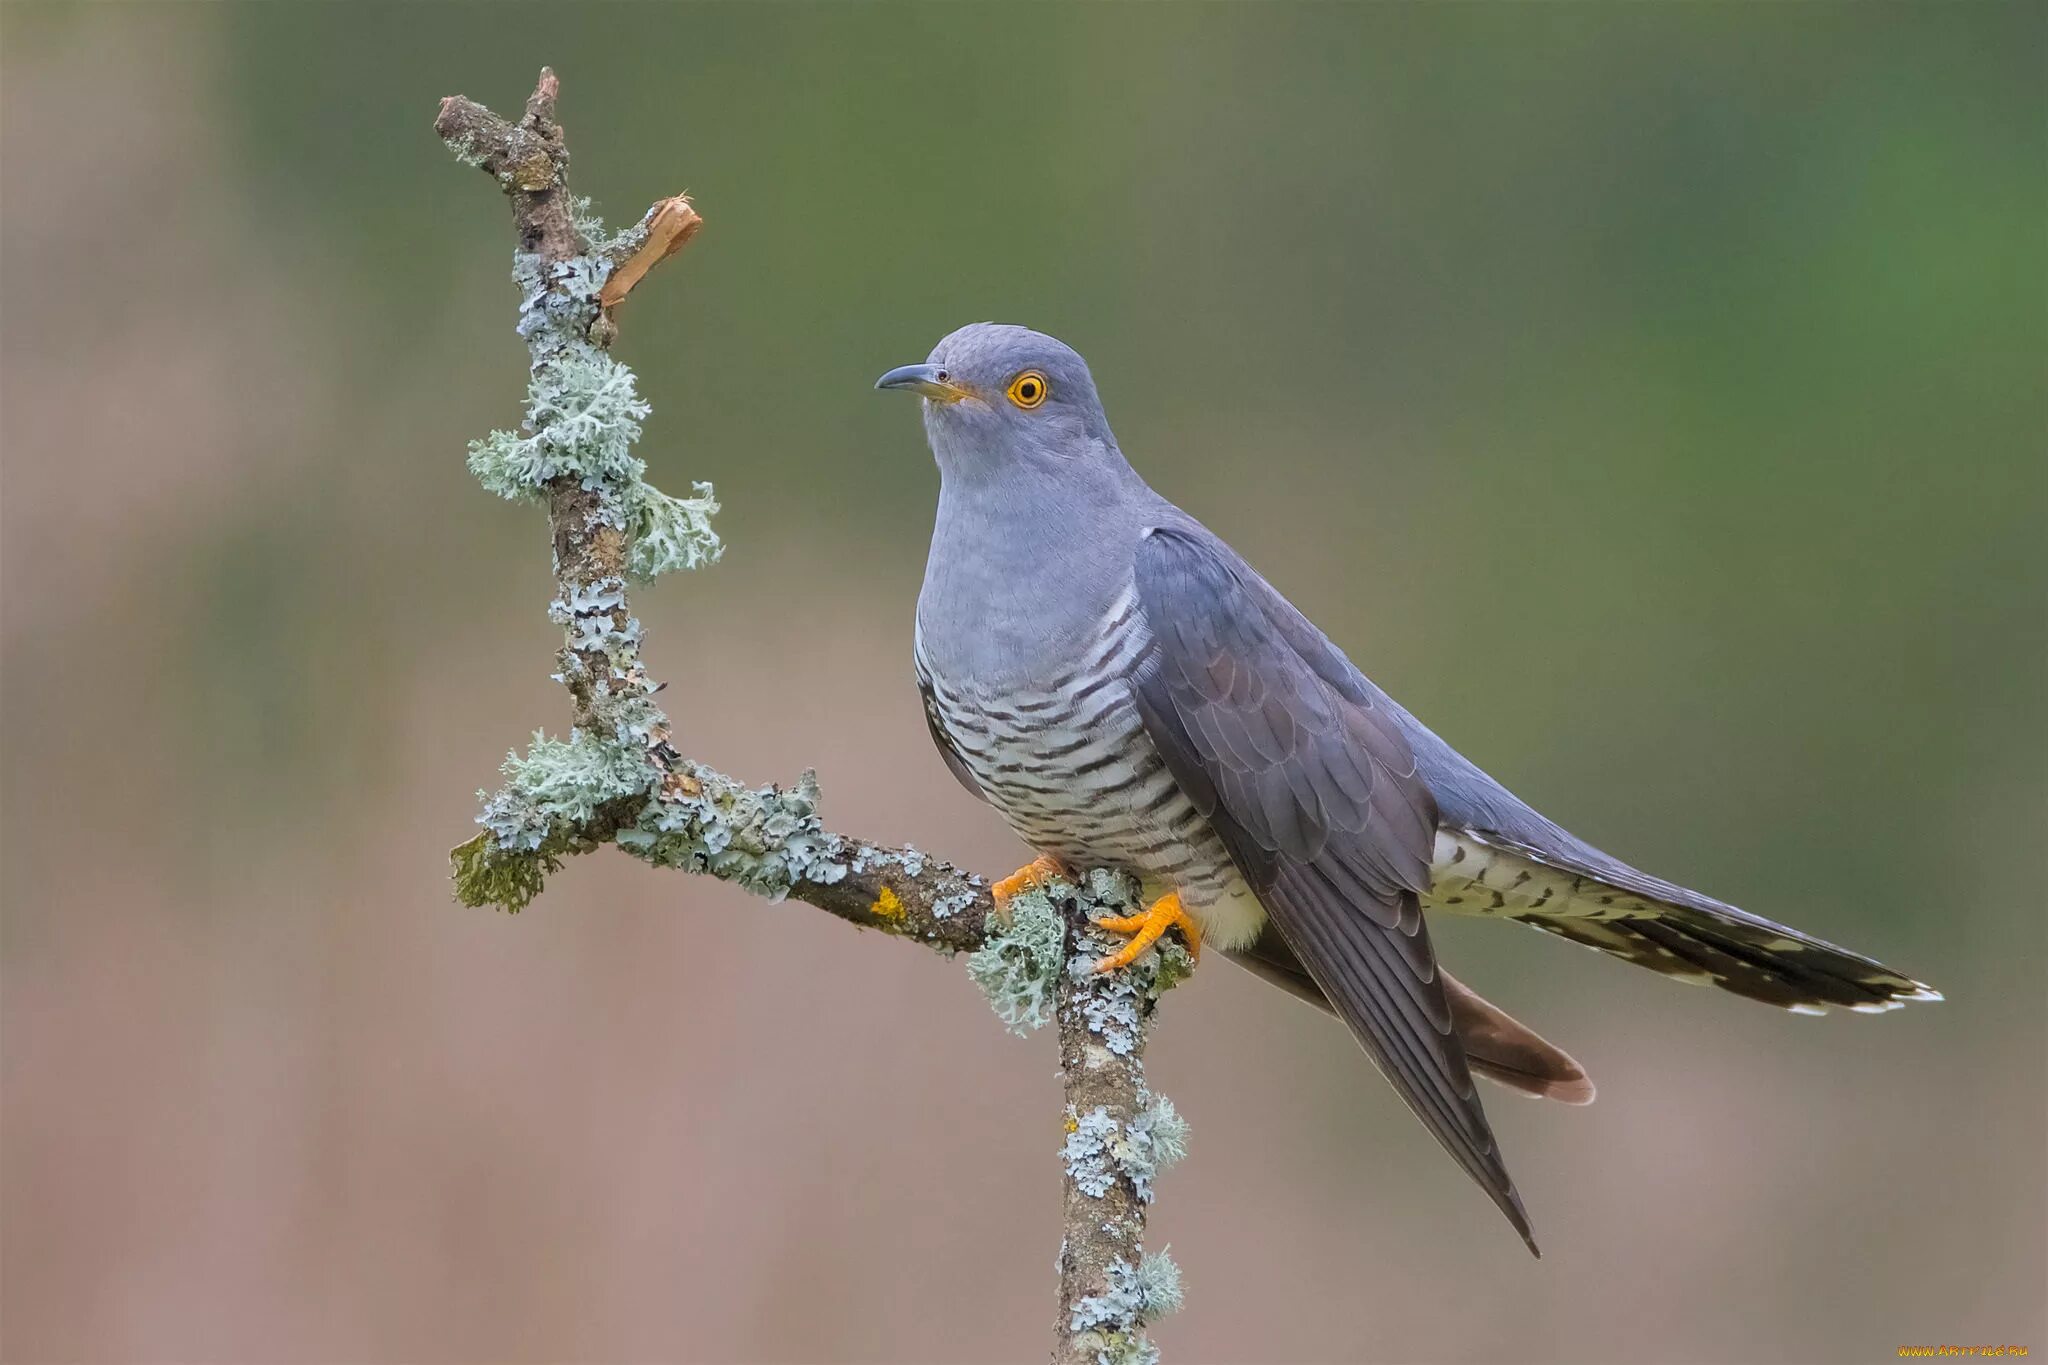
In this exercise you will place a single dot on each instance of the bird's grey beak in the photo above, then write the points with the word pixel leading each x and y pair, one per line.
pixel 929 380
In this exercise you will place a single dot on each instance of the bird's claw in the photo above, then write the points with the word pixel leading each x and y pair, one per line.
pixel 1165 913
pixel 1029 877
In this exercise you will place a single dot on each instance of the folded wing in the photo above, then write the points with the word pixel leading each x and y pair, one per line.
pixel 1275 737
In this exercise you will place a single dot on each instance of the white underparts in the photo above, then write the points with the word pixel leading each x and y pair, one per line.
pixel 1474 878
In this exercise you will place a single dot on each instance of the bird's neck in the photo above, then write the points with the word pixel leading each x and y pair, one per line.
pixel 1019 562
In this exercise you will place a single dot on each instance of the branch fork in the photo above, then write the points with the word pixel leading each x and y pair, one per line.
pixel 620 779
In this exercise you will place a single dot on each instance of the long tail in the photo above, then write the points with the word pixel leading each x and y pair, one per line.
pixel 1509 1052
pixel 1497 1046
pixel 1576 892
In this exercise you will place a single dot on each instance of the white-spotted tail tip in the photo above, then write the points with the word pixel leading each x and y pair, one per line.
pixel 1921 991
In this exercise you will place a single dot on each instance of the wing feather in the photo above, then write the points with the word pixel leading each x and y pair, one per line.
pixel 1313 790
pixel 942 741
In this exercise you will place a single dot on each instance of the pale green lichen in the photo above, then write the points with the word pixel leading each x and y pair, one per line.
pixel 600 598
pixel 1167 1131
pixel 1022 957
pixel 766 839
pixel 558 787
pixel 551 794
pixel 1098 1148
pixel 1173 966
pixel 488 875
pixel 670 533
pixel 1019 961
pixel 558 301
pixel 1089 1151
pixel 1102 1151
pixel 907 860
pixel 1111 1324
pixel 1159 1287
pixel 583 416
pixel 589 225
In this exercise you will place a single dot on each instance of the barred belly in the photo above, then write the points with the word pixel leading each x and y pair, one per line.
pixel 1065 760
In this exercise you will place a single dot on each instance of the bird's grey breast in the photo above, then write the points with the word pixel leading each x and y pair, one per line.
pixel 1042 720
pixel 1054 741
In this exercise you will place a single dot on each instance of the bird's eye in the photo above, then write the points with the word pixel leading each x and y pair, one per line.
pixel 1028 389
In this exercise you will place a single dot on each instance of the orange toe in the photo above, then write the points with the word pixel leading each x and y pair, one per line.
pixel 1032 875
pixel 1165 913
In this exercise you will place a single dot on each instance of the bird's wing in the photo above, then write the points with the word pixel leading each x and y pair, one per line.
pixel 935 723
pixel 1497 1046
pixel 1269 731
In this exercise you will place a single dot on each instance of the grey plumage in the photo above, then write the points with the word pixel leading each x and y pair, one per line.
pixel 1125 689
pixel 1497 1046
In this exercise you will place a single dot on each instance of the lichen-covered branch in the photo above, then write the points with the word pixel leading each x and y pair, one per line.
pixel 619 779
pixel 1120 1136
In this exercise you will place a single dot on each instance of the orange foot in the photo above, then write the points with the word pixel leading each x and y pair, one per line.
pixel 1030 877
pixel 1166 913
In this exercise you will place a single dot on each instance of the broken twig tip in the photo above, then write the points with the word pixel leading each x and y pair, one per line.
pixel 667 229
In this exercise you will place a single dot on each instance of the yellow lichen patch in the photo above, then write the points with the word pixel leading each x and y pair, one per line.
pixel 886 905
pixel 1073 1124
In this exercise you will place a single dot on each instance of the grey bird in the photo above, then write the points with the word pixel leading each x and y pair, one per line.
pixel 1126 691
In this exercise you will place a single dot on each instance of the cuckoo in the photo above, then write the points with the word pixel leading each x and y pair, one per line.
pixel 1127 692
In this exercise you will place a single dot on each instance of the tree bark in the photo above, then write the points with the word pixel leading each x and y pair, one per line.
pixel 620 779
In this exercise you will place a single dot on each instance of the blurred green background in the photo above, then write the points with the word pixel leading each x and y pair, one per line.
pixel 1651 396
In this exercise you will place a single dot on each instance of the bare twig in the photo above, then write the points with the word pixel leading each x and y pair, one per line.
pixel 619 779
pixel 667 229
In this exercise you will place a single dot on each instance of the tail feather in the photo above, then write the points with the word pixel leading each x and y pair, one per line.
pixel 1581 894
pixel 1510 1053
pixel 1497 1046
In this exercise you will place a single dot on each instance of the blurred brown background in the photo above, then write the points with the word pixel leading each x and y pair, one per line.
pixel 1651 396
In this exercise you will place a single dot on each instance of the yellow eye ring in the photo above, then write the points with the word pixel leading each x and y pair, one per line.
pixel 1028 389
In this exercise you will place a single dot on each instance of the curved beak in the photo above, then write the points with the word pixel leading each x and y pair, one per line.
pixel 928 380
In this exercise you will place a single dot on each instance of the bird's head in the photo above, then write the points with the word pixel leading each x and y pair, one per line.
pixel 996 394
